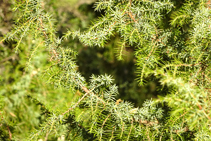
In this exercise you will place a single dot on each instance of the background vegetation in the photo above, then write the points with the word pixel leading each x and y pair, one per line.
pixel 32 109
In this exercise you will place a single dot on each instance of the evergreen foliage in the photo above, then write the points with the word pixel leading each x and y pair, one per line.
pixel 172 44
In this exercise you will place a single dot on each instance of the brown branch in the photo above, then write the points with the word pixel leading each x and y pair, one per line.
pixel 10 134
pixel 148 122
pixel 151 51
pixel 87 92
pixel 43 29
pixel 200 107
pixel 131 16
pixel 105 121
pixel 76 103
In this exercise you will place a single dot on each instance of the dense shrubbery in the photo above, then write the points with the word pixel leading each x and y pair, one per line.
pixel 45 95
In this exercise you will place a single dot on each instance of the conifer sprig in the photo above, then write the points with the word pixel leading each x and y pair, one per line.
pixel 171 45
